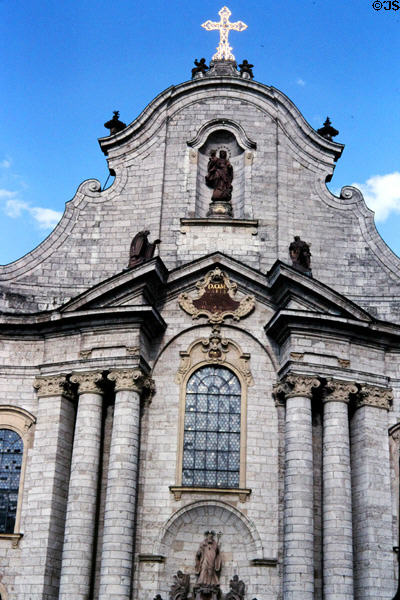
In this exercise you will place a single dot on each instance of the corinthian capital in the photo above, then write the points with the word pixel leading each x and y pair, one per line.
pixel 89 382
pixel 131 379
pixel 371 395
pixel 52 385
pixel 300 385
pixel 339 391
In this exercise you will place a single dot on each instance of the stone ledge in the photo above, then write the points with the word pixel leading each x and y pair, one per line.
pixel 246 223
pixel 178 490
pixel 264 562
pixel 153 558
pixel 13 537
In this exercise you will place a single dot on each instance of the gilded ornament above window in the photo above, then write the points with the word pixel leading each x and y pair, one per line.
pixel 216 299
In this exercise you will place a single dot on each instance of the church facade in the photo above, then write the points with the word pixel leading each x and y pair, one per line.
pixel 195 404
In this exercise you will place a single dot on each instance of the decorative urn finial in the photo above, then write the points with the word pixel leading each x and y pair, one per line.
pixel 115 125
pixel 327 131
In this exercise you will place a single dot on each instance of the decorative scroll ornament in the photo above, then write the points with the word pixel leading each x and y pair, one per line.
pixel 215 349
pixel 224 50
pixel 379 397
pixel 216 299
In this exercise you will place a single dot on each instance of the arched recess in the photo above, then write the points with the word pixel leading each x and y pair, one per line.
pixel 182 534
pixel 221 134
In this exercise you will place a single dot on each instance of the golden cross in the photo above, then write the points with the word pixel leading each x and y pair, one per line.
pixel 224 50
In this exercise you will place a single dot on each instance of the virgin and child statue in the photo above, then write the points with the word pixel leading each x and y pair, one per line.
pixel 219 176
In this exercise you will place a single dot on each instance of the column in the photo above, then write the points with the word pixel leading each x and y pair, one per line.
pixel 83 485
pixel 298 562
pixel 372 521
pixel 46 483
pixel 337 501
pixel 120 507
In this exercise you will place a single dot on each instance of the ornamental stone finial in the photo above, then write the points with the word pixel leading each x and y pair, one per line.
pixel 133 380
pixel 52 385
pixel 379 397
pixel 339 391
pixel 89 382
pixel 300 385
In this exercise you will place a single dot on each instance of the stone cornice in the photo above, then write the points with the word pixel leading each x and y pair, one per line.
pixel 337 390
pixel 52 385
pixel 299 385
pixel 132 380
pixel 89 382
pixel 371 395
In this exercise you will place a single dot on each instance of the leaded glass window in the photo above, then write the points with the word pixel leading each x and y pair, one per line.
pixel 11 451
pixel 211 443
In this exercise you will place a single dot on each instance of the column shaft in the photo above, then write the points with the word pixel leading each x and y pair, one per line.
pixel 120 507
pixel 82 498
pixel 337 504
pixel 298 566
pixel 371 497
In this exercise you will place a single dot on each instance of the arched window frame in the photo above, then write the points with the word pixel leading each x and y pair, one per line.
pixel 205 352
pixel 21 421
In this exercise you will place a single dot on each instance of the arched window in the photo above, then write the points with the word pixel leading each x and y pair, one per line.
pixel 11 452
pixel 211 442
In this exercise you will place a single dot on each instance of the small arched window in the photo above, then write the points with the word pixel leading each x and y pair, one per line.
pixel 211 442
pixel 11 452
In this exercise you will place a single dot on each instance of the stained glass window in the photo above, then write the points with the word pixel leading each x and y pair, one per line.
pixel 11 450
pixel 211 443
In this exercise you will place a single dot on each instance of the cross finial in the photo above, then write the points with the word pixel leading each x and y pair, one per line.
pixel 224 50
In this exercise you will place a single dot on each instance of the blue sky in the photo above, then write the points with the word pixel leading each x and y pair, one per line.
pixel 65 66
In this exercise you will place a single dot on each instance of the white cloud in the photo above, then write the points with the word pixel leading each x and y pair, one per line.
pixel 14 207
pixel 301 82
pixel 7 194
pixel 382 194
pixel 46 218
pixel 6 163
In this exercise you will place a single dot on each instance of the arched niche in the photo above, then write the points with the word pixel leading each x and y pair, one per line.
pixel 182 534
pixel 231 137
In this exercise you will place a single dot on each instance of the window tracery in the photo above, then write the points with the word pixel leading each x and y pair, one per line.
pixel 11 451
pixel 211 445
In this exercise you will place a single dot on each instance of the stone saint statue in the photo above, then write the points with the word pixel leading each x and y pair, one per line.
pixel 141 249
pixel 300 254
pixel 208 561
pixel 219 176
pixel 200 67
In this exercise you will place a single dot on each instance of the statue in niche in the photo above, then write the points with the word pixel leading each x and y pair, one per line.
pixel 200 67
pixel 180 587
pixel 208 561
pixel 141 249
pixel 237 589
pixel 219 176
pixel 300 254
